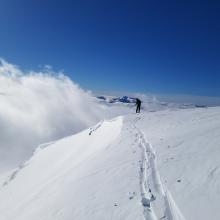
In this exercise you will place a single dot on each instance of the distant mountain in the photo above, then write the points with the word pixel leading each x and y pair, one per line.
pixel 123 99
pixel 148 103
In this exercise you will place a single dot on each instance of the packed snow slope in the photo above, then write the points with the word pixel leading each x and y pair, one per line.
pixel 154 165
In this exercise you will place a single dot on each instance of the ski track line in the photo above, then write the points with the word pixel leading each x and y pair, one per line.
pixel 153 192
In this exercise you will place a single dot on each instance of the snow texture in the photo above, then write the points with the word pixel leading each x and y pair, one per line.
pixel 157 165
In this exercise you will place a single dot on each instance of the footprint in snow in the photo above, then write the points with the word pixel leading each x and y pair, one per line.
pixel 145 202
pixel 131 195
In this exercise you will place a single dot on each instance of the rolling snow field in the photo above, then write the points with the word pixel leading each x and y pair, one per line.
pixel 162 165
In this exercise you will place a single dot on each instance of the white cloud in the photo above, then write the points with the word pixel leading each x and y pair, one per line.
pixel 38 107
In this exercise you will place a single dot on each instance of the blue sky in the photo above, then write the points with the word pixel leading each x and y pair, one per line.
pixel 166 47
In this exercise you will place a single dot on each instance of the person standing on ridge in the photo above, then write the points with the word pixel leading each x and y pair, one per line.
pixel 138 104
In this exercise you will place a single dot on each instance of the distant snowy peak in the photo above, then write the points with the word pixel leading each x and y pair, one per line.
pixel 148 103
pixel 123 99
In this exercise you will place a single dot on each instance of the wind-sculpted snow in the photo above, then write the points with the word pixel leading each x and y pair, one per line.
pixel 37 107
pixel 52 181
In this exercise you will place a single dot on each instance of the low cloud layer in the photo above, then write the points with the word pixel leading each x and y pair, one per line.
pixel 37 107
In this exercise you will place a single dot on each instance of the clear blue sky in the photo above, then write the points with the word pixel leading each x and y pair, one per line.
pixel 143 46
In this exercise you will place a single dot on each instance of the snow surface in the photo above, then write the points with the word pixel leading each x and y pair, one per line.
pixel 154 165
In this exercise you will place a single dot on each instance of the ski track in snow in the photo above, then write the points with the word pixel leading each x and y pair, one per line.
pixel 157 201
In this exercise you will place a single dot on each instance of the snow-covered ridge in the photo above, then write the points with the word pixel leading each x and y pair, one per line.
pixel 156 165
pixel 51 172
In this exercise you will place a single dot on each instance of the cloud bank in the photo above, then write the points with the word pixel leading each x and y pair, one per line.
pixel 38 107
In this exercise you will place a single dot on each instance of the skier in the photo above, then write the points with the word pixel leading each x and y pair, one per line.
pixel 138 104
